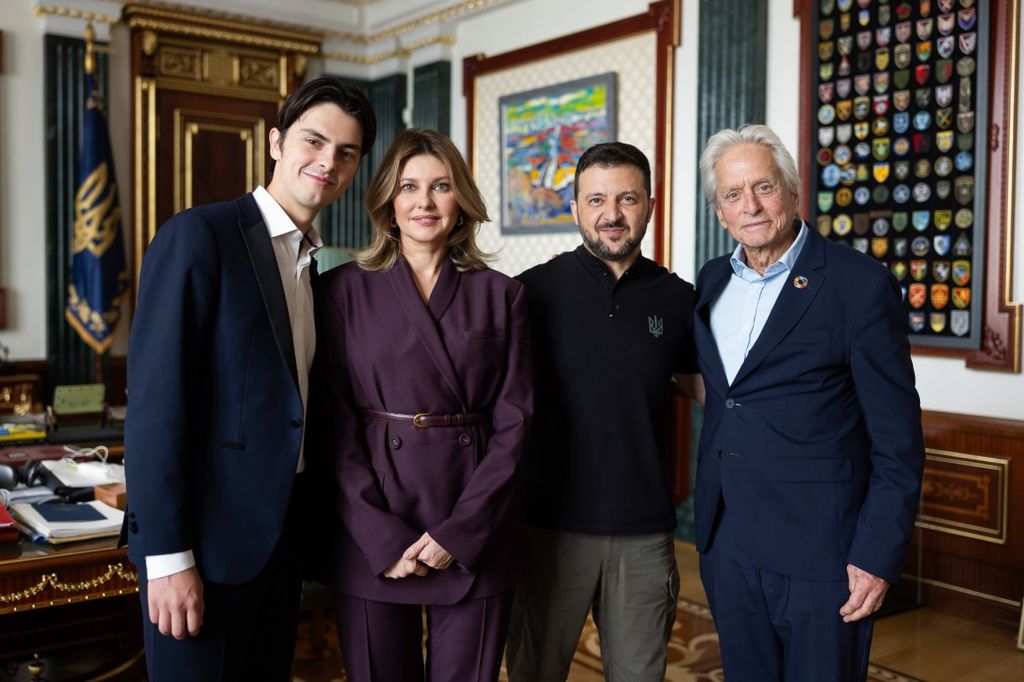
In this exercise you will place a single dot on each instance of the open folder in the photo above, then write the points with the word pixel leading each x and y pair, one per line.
pixel 62 521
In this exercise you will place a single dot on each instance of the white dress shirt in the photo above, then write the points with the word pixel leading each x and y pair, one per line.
pixel 294 251
pixel 740 311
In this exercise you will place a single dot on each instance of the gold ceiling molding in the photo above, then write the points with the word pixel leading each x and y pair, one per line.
pixel 180 17
pixel 426 20
pixel 180 12
pixel 75 13
pixel 401 53
pixel 221 29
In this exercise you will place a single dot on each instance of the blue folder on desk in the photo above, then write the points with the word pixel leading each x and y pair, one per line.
pixel 64 512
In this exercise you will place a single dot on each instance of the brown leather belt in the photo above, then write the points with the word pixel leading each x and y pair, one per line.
pixel 425 420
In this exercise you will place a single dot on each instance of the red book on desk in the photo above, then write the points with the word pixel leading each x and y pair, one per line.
pixel 9 534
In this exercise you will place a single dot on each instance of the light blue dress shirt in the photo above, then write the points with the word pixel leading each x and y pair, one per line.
pixel 740 311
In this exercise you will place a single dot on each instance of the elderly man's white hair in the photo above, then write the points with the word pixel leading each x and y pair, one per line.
pixel 748 134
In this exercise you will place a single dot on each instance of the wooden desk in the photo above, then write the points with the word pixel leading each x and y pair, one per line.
pixel 97 629
pixel 100 617
pixel 41 576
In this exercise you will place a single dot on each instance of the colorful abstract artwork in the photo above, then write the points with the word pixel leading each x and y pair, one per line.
pixel 543 134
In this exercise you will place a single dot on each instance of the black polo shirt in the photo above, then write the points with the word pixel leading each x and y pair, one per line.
pixel 604 351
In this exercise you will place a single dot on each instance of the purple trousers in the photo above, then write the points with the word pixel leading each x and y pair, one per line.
pixel 383 642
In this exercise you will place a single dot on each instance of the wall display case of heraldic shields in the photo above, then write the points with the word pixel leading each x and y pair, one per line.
pixel 899 172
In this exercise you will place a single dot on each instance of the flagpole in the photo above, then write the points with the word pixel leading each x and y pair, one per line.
pixel 89 66
pixel 98 274
pixel 90 49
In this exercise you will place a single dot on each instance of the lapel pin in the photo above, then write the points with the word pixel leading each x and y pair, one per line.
pixel 800 282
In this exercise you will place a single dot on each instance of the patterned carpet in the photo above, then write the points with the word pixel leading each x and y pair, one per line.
pixel 692 654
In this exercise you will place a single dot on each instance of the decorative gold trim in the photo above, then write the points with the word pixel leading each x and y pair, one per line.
pixel 1011 167
pixel 666 200
pixel 401 53
pixel 138 248
pixel 150 42
pixel 965 529
pixel 240 25
pixel 74 13
pixel 151 131
pixel 222 35
pixel 963 590
pixel 251 130
pixel 234 23
pixel 52 580
pixel 1020 629
pixel 165 83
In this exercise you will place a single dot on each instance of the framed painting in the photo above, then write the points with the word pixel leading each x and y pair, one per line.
pixel 543 134
pixel 522 142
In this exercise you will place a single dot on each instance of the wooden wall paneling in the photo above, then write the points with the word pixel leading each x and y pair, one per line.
pixel 679 446
pixel 970 532
pixel 209 148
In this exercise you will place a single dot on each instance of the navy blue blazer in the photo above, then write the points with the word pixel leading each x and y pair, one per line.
pixel 215 418
pixel 816 447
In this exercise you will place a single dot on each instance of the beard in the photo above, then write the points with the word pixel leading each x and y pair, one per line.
pixel 605 252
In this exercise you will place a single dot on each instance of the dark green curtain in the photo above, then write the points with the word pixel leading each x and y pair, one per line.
pixel 732 53
pixel 344 223
pixel 432 102
pixel 69 359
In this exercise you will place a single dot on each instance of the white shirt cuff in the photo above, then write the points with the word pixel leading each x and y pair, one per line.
pixel 163 565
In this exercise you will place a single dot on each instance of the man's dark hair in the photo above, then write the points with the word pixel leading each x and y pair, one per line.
pixel 608 154
pixel 328 89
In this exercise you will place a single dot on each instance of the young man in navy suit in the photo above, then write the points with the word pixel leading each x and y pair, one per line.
pixel 218 381
pixel 811 452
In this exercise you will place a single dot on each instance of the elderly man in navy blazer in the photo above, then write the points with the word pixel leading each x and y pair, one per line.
pixel 812 452
pixel 218 377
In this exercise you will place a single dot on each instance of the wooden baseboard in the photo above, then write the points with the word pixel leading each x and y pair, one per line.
pixel 970 535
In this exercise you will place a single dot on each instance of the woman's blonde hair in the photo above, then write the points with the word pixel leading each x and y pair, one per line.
pixel 382 253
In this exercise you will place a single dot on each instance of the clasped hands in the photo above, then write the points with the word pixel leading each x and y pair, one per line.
pixel 419 558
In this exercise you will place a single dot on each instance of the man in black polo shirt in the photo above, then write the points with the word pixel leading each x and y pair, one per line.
pixel 609 328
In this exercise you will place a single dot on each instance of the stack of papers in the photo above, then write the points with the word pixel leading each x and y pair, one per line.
pixel 66 476
pixel 73 474
pixel 62 522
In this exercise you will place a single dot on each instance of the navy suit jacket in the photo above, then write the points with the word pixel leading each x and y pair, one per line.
pixel 215 418
pixel 815 449
pixel 465 351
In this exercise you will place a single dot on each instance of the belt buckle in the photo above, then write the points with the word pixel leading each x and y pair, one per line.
pixel 418 418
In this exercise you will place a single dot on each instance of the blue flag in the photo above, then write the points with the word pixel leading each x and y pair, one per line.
pixel 99 278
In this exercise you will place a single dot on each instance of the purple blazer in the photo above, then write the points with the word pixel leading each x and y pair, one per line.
pixel 466 351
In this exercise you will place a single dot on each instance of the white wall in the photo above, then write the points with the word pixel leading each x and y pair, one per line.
pixel 944 384
pixel 22 216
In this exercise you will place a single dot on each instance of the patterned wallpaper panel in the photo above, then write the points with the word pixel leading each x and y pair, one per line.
pixel 633 61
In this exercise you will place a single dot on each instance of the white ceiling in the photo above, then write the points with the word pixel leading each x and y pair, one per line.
pixel 359 17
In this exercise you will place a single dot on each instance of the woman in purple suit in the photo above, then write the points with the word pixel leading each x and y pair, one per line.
pixel 426 354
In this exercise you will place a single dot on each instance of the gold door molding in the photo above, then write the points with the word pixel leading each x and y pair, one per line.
pixel 190 125
pixel 199 76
